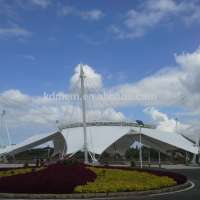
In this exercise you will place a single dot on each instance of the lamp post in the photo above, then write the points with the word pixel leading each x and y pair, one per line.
pixel 141 124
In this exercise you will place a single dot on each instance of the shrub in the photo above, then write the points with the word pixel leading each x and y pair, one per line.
pixel 57 178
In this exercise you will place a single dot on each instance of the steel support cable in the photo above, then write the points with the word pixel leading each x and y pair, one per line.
pixel 72 104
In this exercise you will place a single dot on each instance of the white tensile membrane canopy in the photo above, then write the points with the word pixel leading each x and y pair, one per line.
pixel 37 140
pixel 158 140
pixel 98 137
pixel 105 138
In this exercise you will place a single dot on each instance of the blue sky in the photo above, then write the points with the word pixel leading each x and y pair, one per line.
pixel 41 42
pixel 57 45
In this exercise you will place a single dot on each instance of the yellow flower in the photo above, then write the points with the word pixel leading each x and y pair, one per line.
pixel 115 180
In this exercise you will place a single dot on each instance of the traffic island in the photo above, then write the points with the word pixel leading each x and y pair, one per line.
pixel 76 181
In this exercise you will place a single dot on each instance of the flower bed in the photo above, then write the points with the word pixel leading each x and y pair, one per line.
pixel 179 178
pixel 56 179
pixel 74 177
pixel 116 180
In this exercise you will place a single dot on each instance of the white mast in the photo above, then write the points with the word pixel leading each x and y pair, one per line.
pixel 3 121
pixel 85 147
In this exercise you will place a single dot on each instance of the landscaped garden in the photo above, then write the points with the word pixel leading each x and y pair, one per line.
pixel 117 180
pixel 66 178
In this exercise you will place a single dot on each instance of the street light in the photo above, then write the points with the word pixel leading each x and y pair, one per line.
pixel 141 124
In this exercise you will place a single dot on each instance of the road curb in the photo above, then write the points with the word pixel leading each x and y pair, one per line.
pixel 117 195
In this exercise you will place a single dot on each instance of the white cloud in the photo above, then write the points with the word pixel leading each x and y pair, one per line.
pixel 16 96
pixel 175 86
pixel 150 13
pixel 16 31
pixel 30 57
pixel 92 15
pixel 23 108
pixel 27 57
pixel 110 114
pixel 74 114
pixel 191 66
pixel 41 3
pixel 28 4
pixel 92 82
pixel 27 115
pixel 67 10
pixel 165 123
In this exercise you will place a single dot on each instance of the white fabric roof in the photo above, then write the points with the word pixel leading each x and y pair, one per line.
pixel 172 139
pixel 159 140
pixel 101 138
pixel 57 138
